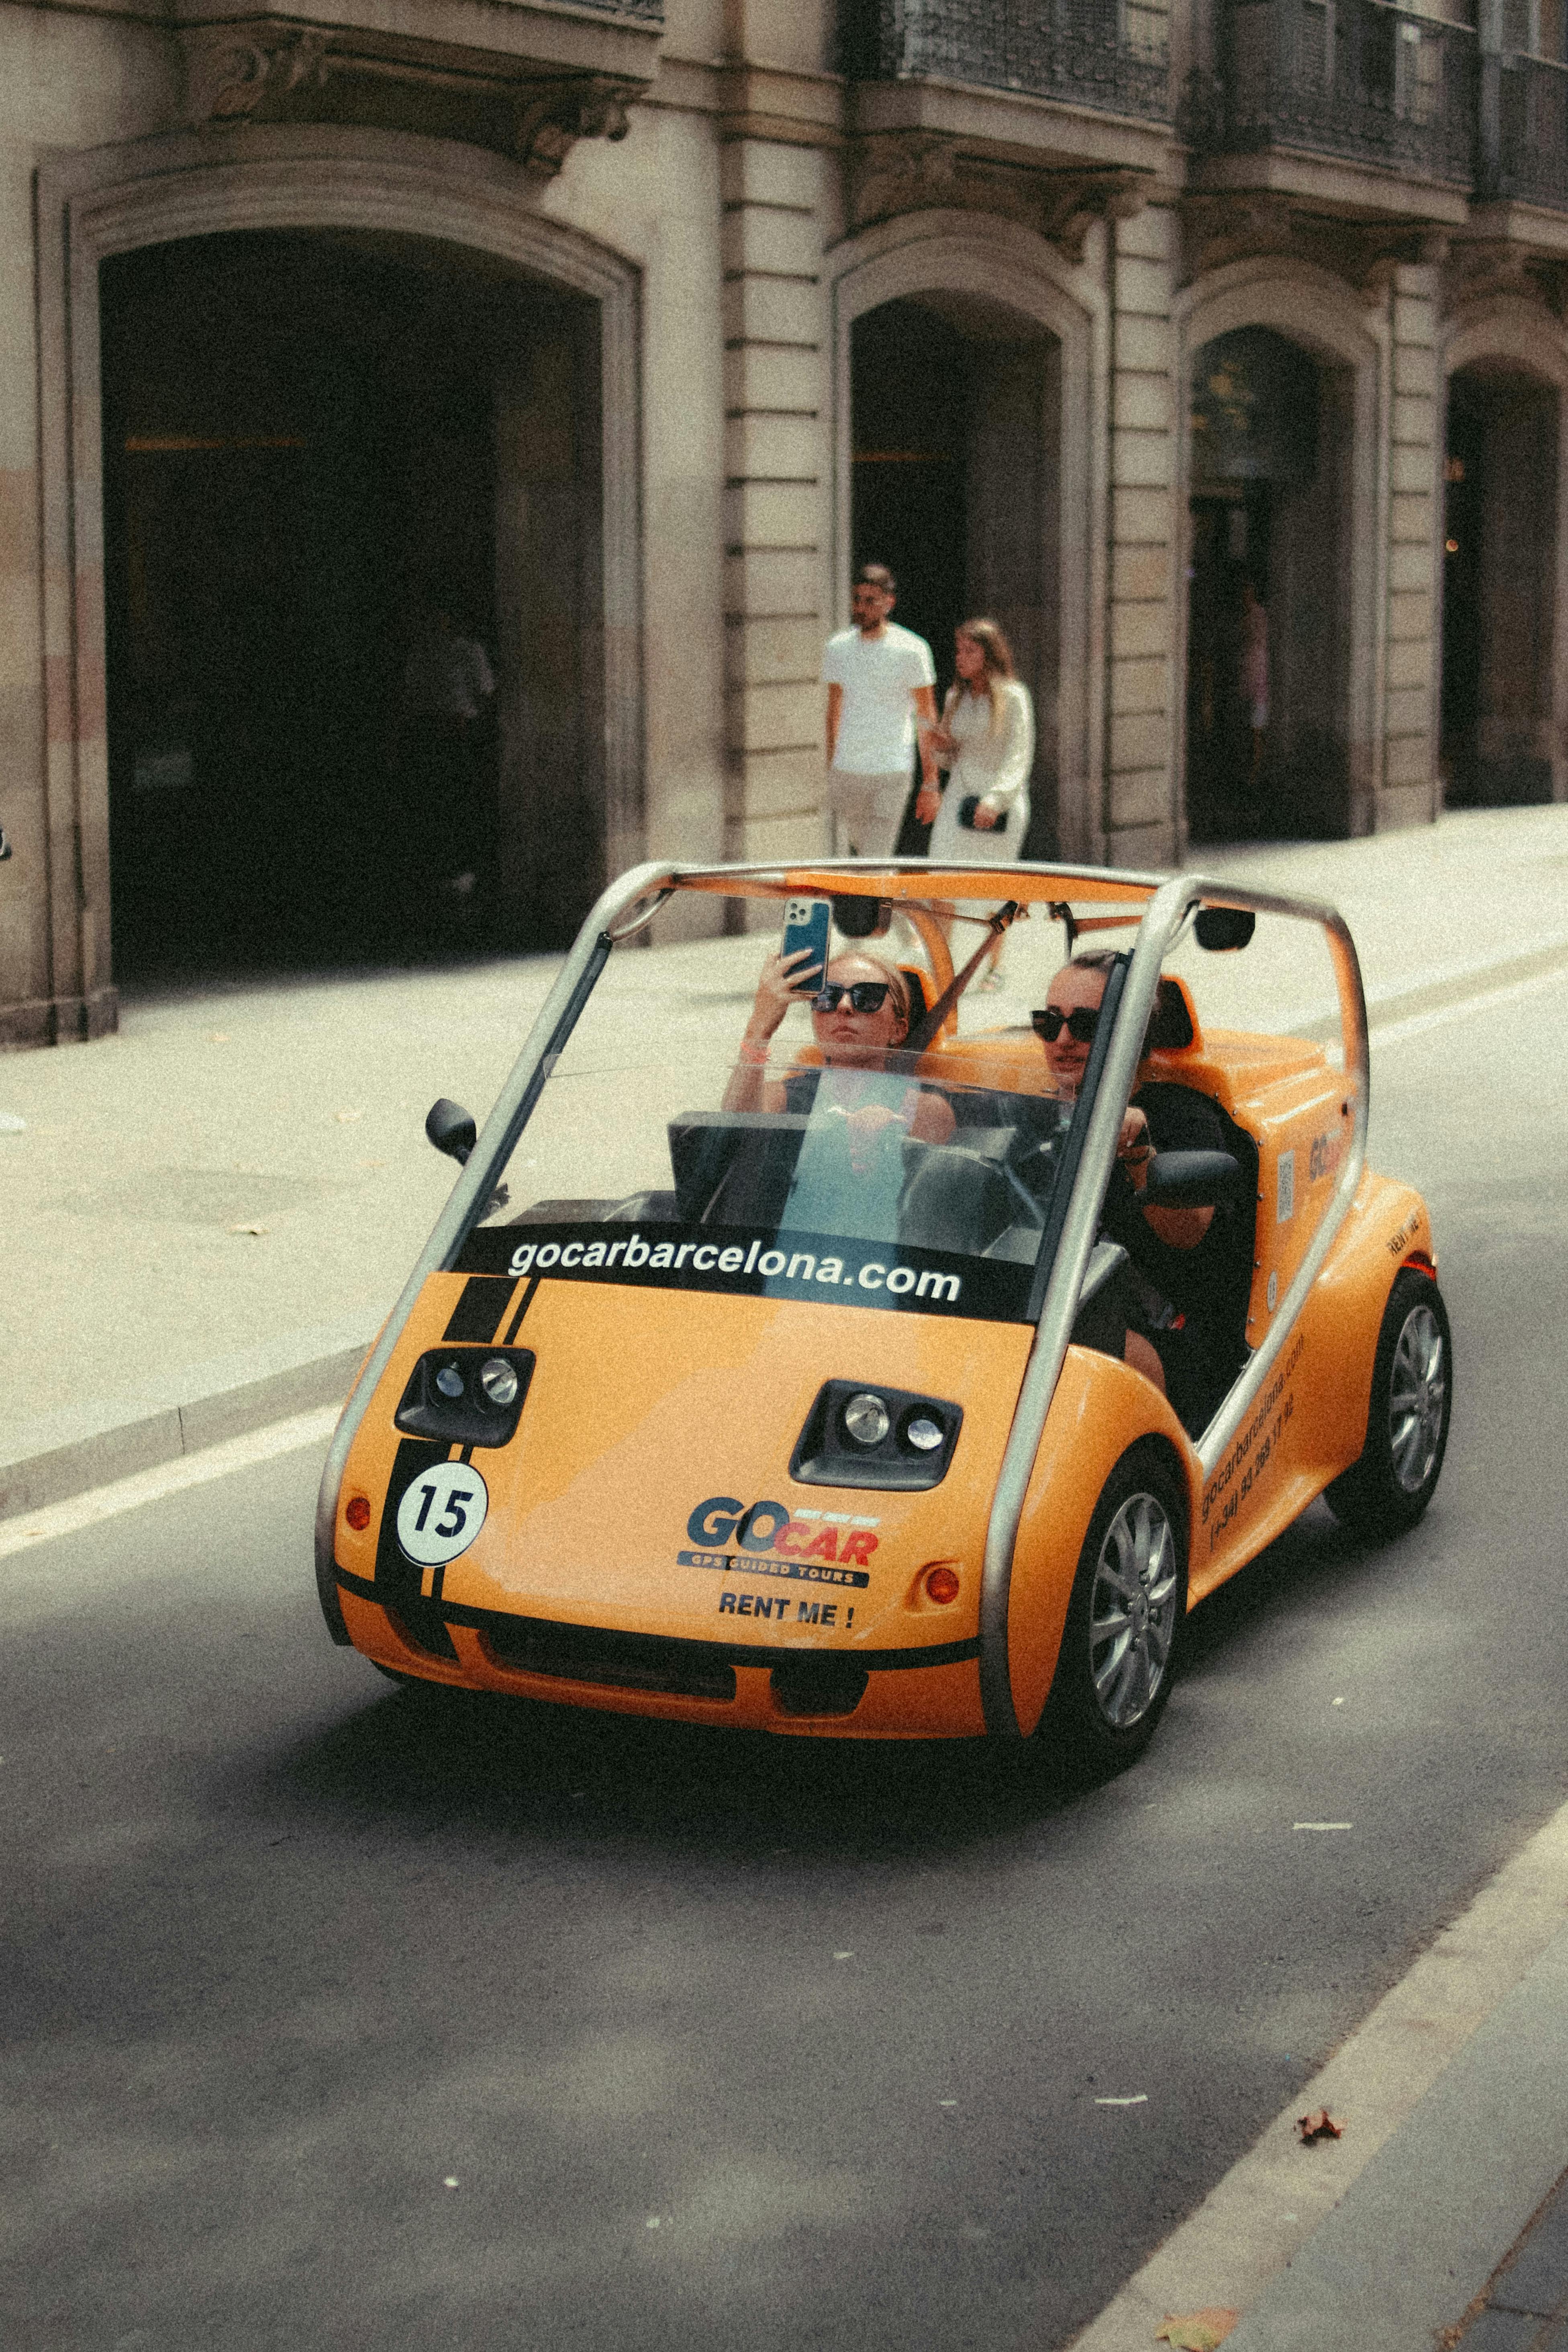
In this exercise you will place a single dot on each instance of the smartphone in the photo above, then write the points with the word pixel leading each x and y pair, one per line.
pixel 807 925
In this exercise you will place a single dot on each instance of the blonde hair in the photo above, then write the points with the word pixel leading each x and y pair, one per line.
pixel 997 656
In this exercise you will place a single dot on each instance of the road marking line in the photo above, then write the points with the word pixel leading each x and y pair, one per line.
pixel 1323 1825
pixel 1419 1023
pixel 1258 2218
pixel 67 1518
pixel 1138 2099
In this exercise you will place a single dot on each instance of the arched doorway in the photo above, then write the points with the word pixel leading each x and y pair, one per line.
pixel 1500 586
pixel 323 654
pixel 955 427
pixel 557 313
pixel 1269 735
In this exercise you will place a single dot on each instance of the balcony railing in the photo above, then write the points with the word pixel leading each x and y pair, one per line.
pixel 1531 149
pixel 1355 78
pixel 1111 55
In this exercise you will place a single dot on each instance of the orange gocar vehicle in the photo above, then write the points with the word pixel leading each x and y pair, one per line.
pixel 851 1366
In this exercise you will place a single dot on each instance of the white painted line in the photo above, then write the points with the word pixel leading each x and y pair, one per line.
pixel 1273 2199
pixel 1419 1023
pixel 1323 1825
pixel 1138 2099
pixel 169 1478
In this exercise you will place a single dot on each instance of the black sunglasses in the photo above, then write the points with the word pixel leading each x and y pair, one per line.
pixel 1081 1024
pixel 865 995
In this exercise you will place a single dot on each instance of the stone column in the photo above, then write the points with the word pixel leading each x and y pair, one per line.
pixel 1139 811
pixel 1409 790
pixel 775 501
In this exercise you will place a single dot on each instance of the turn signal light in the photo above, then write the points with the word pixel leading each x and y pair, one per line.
pixel 942 1583
pixel 357 1513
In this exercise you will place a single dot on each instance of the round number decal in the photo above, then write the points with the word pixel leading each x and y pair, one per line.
pixel 442 1512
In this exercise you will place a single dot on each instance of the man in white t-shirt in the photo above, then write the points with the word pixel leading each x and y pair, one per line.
pixel 881 682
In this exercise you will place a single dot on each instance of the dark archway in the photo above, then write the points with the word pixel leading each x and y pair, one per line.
pixel 325 454
pixel 1498 588
pixel 955 410
pixel 1269 619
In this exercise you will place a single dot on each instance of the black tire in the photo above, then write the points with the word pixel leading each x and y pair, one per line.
pixel 1115 1668
pixel 1388 1488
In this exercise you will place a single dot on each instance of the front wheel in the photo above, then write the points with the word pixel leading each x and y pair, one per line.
pixel 1388 1488
pixel 1129 1599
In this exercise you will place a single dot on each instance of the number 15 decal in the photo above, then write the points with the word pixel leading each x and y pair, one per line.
pixel 442 1512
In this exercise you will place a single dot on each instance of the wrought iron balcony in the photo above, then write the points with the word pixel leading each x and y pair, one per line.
pixel 1530 156
pixel 1354 78
pixel 1111 55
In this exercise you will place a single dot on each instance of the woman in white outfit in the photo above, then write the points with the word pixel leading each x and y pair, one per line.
pixel 986 739
pixel 986 742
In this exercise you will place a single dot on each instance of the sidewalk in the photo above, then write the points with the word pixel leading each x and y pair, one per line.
pixel 208 1214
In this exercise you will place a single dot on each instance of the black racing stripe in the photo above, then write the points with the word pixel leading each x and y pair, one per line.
pixel 730 1653
pixel 481 1306
pixel 524 1304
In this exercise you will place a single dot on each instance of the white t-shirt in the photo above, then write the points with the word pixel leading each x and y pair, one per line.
pixel 878 675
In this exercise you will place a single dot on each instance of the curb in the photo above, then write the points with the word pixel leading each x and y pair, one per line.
pixel 200 1406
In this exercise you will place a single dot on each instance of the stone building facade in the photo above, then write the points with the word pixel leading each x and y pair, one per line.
pixel 624 329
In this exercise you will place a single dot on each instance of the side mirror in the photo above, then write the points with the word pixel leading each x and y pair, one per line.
pixel 1219 929
pixel 451 1129
pixel 1189 1180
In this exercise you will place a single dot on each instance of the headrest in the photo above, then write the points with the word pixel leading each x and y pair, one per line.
pixel 1172 1025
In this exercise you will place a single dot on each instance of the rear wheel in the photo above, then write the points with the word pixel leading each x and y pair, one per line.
pixel 1129 1599
pixel 1407 1421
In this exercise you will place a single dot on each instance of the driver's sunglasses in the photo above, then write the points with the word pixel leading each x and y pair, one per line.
pixel 1081 1024
pixel 865 995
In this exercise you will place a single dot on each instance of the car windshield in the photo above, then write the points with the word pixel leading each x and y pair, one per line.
pixel 704 1129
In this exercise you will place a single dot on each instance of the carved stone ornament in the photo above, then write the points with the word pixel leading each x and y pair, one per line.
pixel 1482 267
pixel 1218 229
pixel 249 72
pixel 551 117
pixel 895 172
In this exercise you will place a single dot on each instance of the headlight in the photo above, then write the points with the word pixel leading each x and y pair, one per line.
pixel 892 1438
pixel 471 1396
pixel 498 1380
pixel 867 1419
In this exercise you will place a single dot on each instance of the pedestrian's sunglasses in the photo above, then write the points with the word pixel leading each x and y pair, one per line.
pixel 865 995
pixel 1081 1024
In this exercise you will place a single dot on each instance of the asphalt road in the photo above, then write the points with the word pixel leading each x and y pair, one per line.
pixel 337 2017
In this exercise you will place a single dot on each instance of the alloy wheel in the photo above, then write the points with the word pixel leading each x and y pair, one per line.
pixel 1133 1610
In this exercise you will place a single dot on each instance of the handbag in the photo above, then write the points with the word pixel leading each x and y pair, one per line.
pixel 966 808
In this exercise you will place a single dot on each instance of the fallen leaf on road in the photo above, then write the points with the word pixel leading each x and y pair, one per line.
pixel 1196 2331
pixel 249 1229
pixel 347 1118
pixel 1319 2124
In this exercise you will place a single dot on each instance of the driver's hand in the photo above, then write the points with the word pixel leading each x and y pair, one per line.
pixel 927 802
pixel 1133 1148
pixel 984 817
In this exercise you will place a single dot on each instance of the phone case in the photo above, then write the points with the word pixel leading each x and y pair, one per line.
pixel 806 924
